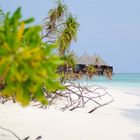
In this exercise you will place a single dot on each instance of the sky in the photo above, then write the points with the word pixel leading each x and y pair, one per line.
pixel 109 28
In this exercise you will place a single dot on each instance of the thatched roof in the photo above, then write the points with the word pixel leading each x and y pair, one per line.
pixel 76 58
pixel 97 60
pixel 85 59
pixel 89 60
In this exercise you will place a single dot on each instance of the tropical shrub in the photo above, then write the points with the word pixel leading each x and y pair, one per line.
pixel 26 63
pixel 2 16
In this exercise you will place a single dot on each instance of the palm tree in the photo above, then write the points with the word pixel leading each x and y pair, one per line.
pixel 53 20
pixel 68 35
pixel 61 27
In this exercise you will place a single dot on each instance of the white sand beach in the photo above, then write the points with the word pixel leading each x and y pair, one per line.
pixel 119 120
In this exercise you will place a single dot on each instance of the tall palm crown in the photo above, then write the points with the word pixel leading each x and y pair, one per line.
pixel 61 27
pixel 69 34
pixel 54 18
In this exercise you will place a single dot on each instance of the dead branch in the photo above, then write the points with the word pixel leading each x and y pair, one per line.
pixel 100 106
pixel 17 137
pixel 77 95
pixel 5 129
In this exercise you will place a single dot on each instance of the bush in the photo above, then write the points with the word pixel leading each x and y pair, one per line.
pixel 26 63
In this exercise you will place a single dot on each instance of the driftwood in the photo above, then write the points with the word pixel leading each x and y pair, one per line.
pixel 85 94
pixel 78 95
pixel 74 96
pixel 17 137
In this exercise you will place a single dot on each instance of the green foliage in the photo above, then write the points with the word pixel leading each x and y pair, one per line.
pixel 26 63
pixel 69 60
pixel 2 16
pixel 61 26
pixel 68 34
pixel 90 71
pixel 58 12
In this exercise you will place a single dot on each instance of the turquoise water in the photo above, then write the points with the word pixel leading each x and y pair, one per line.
pixel 119 80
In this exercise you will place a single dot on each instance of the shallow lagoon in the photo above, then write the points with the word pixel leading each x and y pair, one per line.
pixel 128 82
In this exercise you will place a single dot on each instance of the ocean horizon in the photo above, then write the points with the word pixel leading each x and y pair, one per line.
pixel 120 81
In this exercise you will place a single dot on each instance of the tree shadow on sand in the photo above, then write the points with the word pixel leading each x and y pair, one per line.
pixel 135 94
pixel 136 136
pixel 134 115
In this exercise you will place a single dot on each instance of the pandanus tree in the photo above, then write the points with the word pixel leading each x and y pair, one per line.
pixel 60 27
pixel 68 34
pixel 55 17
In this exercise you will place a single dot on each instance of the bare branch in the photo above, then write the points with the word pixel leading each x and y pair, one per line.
pixel 77 96
pixel 100 106
pixel 10 132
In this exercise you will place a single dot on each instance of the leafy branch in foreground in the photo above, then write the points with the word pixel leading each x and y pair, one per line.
pixel 25 62
pixel 2 16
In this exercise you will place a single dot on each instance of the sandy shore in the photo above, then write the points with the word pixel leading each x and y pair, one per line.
pixel 119 120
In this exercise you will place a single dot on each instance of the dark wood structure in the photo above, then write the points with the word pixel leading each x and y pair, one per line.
pixel 102 68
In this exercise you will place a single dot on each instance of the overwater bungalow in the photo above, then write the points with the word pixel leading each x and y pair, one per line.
pixel 102 68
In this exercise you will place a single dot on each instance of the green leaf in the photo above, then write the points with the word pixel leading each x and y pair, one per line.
pixel 27 21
